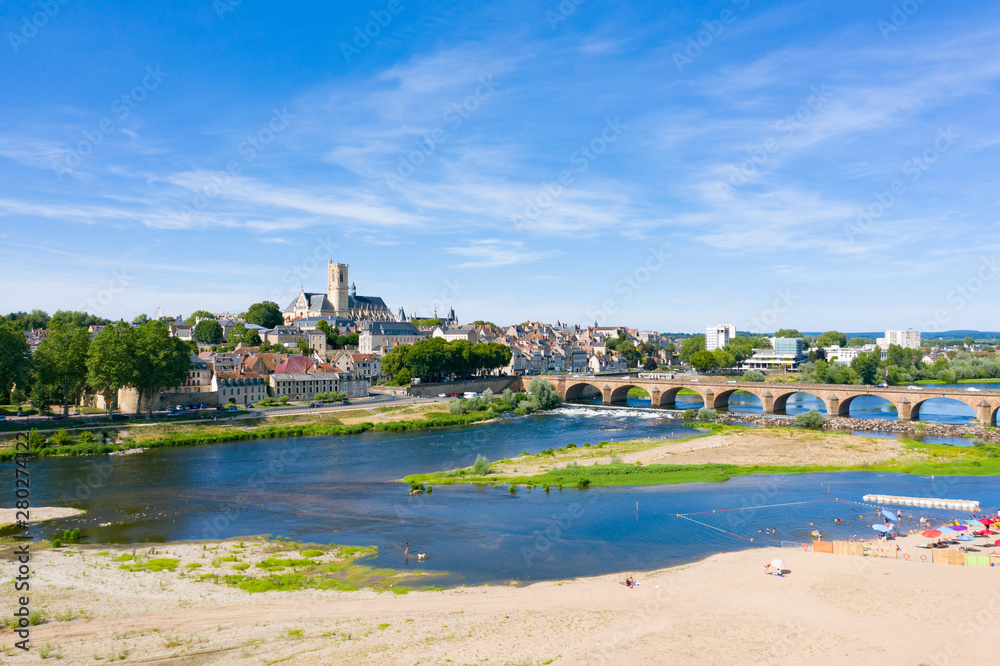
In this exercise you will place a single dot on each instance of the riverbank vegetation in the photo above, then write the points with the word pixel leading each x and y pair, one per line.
pixel 568 467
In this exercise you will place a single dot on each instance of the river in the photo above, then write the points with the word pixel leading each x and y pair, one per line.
pixel 343 490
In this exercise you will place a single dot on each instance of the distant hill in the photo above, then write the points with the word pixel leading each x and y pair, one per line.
pixel 939 335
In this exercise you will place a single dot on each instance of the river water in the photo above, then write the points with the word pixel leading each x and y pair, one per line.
pixel 343 490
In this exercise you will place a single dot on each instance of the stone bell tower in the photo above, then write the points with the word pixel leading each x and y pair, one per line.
pixel 336 287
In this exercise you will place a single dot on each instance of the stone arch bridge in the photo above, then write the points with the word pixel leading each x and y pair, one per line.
pixel 773 397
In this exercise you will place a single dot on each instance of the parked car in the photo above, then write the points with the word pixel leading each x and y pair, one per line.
pixel 20 412
pixel 119 417
pixel 442 395
pixel 232 409
pixel 973 388
pixel 731 381
pixel 915 388
pixel 2 418
pixel 174 414
pixel 344 402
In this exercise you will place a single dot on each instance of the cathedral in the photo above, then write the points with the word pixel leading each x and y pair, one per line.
pixel 338 301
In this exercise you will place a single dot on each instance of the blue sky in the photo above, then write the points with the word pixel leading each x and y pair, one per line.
pixel 661 165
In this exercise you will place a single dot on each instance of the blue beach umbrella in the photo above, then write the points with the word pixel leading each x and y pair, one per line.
pixel 880 528
pixel 966 537
pixel 974 523
pixel 945 530
pixel 888 514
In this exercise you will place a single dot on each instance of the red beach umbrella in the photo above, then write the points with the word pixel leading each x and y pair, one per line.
pixel 987 521
pixel 930 534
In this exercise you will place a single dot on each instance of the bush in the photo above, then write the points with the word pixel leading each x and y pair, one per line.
pixel 402 378
pixel 60 438
pixel 482 466
pixel 86 437
pixel 753 376
pixel 689 414
pixel 508 397
pixel 472 405
pixel 283 400
pixel 455 407
pixel 487 396
pixel 706 414
pixel 583 484
pixel 811 419
pixel 547 396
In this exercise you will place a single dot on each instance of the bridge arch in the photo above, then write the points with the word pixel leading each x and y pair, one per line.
pixel 580 390
pixel 844 404
pixel 972 405
pixel 669 396
pixel 723 398
pixel 620 393
pixel 781 399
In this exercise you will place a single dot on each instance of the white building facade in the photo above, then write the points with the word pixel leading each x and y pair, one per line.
pixel 717 337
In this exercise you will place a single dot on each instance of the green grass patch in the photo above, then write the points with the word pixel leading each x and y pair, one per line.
pixel 638 392
pixel 158 564
pixel 312 552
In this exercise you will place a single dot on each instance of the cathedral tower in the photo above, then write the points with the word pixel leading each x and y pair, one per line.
pixel 337 286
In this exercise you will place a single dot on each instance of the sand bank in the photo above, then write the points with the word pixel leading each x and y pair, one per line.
pixel 722 610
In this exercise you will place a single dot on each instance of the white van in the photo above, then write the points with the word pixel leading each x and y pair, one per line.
pixel 470 394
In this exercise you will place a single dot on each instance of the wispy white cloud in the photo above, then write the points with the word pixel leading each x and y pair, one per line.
pixel 495 252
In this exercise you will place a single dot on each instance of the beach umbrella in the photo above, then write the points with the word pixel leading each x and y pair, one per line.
pixel 778 564
pixel 930 534
pixel 974 523
pixel 959 528
pixel 987 521
pixel 880 528
pixel 888 514
pixel 946 530
pixel 966 537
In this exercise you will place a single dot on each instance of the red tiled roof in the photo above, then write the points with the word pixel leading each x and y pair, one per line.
pixel 294 365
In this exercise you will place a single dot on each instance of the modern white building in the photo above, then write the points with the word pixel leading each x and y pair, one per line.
pixel 908 339
pixel 717 337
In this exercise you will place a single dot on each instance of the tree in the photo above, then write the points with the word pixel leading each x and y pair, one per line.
pixel 626 348
pixel 482 322
pixel 427 322
pixel 208 332
pixel 252 338
pixel 265 314
pixel 968 342
pixel 691 346
pixel 15 357
pixel 140 319
pixel 548 397
pixel 860 342
pixel 61 361
pixel 198 314
pixel 160 362
pixel 109 361
pixel 703 361
pixel 830 338
pixel 81 319
pixel 753 376
pixel 402 378
pixel 394 361
pixel 787 333
pixel 723 359
pixel 650 364
pixel 867 366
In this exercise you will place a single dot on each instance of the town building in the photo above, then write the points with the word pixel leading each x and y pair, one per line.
pixel 379 335
pixel 299 387
pixel 239 389
pixel 717 337
pixel 340 300
pixel 908 339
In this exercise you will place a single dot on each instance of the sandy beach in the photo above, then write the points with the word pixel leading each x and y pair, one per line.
pixel 723 610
